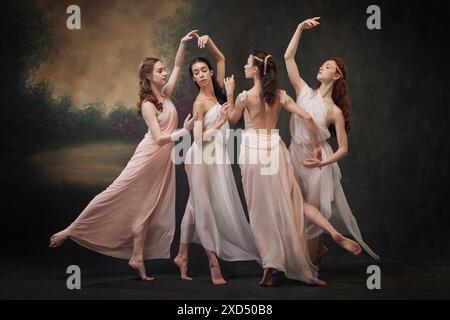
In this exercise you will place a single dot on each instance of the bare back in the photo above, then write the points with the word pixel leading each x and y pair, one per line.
pixel 260 115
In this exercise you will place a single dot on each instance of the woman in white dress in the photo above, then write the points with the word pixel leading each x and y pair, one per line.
pixel 274 199
pixel 214 216
pixel 319 179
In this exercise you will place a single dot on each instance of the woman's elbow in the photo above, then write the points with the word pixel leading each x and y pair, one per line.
pixel 160 142
pixel 344 151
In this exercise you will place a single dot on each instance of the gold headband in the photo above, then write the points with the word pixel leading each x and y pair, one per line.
pixel 265 62
pixel 340 72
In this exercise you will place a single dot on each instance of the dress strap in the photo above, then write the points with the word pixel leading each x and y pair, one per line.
pixel 282 97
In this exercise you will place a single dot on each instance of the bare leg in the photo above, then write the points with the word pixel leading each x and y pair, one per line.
pixel 317 250
pixel 322 250
pixel 267 278
pixel 314 215
pixel 58 239
pixel 216 274
pixel 137 262
pixel 313 245
pixel 181 260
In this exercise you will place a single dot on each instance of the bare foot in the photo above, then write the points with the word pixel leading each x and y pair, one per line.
pixel 267 279
pixel 348 244
pixel 138 265
pixel 58 239
pixel 182 264
pixel 216 274
pixel 321 283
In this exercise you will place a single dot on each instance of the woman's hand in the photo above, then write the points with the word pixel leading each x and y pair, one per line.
pixel 318 152
pixel 189 121
pixel 202 41
pixel 317 162
pixel 309 23
pixel 224 112
pixel 312 163
pixel 229 85
pixel 189 36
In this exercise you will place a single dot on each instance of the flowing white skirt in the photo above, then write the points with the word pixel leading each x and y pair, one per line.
pixel 322 188
pixel 214 216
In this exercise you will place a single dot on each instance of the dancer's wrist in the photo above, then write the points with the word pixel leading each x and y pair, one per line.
pixel 178 134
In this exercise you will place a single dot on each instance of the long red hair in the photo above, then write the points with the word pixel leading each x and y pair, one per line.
pixel 340 95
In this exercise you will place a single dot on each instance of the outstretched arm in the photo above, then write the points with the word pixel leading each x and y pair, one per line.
pixel 289 56
pixel 179 58
pixel 218 56
pixel 150 117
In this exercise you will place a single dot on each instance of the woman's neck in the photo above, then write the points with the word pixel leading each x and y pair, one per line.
pixel 157 92
pixel 326 90
pixel 257 85
pixel 208 92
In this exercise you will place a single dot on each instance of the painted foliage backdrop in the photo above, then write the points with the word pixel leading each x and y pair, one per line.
pixel 69 122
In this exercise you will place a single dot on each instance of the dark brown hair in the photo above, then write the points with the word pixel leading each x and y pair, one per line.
pixel 268 71
pixel 218 91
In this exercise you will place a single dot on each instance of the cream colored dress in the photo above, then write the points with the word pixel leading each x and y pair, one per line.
pixel 214 216
pixel 321 187
pixel 275 203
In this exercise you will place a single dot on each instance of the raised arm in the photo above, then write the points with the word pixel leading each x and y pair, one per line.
pixel 150 117
pixel 289 56
pixel 218 56
pixel 179 58
pixel 234 114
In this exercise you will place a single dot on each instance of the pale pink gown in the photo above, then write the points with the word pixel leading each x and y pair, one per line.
pixel 321 187
pixel 144 193
pixel 275 203
pixel 214 216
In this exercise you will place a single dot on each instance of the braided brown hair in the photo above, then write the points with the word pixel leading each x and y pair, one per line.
pixel 268 70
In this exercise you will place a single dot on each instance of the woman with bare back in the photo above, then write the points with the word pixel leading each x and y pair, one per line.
pixel 274 199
